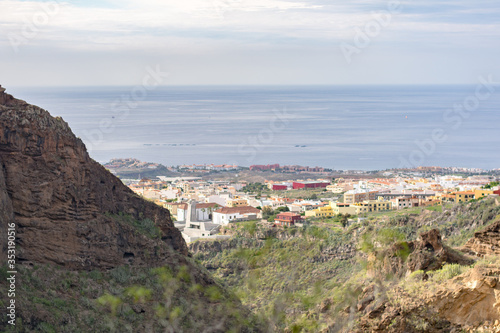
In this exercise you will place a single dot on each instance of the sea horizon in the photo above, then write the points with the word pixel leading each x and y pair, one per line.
pixel 356 127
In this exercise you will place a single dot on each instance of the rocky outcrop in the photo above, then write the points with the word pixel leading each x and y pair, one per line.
pixel 469 302
pixel 405 315
pixel 210 247
pixel 428 253
pixel 6 99
pixel 485 242
pixel 63 202
pixel 472 298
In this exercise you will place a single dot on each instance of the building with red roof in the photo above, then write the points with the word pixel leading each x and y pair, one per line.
pixel 306 185
pixel 288 219
pixel 226 215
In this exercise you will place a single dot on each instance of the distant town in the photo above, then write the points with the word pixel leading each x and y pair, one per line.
pixel 201 204
pixel 130 165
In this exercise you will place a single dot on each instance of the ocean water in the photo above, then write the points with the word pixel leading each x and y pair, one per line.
pixel 339 127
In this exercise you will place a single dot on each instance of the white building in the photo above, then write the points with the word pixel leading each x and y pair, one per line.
pixel 151 194
pixel 195 229
pixel 204 211
pixel 221 201
pixel 199 230
pixel 171 193
pixel 226 215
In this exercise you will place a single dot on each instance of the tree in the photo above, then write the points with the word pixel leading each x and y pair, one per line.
pixel 490 185
pixel 254 187
pixel 271 218
pixel 282 209
pixel 266 212
pixel 344 219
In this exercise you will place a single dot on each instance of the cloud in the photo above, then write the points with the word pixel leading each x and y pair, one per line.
pixel 253 21
pixel 227 33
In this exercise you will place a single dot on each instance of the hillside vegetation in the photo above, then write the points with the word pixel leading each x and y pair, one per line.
pixel 125 299
pixel 334 279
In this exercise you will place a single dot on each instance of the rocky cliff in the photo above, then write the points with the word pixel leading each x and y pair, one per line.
pixel 428 253
pixel 65 204
pixel 6 99
pixel 485 242
pixel 126 268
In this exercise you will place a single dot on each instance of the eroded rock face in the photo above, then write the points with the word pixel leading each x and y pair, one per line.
pixel 428 253
pixel 472 298
pixel 60 198
pixel 485 242
pixel 6 99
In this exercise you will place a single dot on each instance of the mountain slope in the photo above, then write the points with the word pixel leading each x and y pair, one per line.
pixel 61 198
pixel 91 255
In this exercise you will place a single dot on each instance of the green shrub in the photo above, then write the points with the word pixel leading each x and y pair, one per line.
pixel 448 272
pixel 438 208
pixel 145 226
pixel 95 275
pixel 387 236
pixel 3 272
pixel 139 294
pixel 416 276
pixel 110 302
pixel 46 328
pixel 121 274
pixel 384 237
pixel 213 293
pixel 250 227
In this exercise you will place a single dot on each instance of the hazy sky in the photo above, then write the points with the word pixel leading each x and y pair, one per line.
pixel 88 42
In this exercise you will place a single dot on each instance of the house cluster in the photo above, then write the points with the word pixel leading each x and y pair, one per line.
pixel 207 167
pixel 288 168
pixel 450 169
pixel 297 185
pixel 203 220
pixel 201 207
pixel 131 163
pixel 375 195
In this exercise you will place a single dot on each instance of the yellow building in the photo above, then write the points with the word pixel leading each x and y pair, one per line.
pixel 360 208
pixel 340 208
pixel 368 206
pixel 481 193
pixel 352 197
pixel 186 187
pixel 325 211
pixel 173 207
pixel 445 198
pixel 335 188
pixel 464 196
pixel 237 202
pixel 379 205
